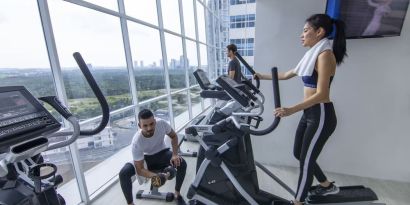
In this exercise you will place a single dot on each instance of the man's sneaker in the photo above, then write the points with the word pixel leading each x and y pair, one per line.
pixel 323 191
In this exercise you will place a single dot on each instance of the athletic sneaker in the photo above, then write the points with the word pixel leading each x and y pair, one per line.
pixel 323 191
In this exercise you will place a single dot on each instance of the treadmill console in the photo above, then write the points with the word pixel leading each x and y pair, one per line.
pixel 22 117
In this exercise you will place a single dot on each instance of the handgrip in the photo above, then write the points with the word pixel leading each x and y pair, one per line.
pixel 57 105
pixel 96 90
pixel 276 96
pixel 250 69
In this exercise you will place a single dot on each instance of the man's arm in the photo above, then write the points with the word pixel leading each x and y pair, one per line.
pixel 231 74
pixel 141 171
pixel 175 160
pixel 174 142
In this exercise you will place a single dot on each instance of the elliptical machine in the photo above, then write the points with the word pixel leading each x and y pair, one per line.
pixel 26 130
pixel 226 172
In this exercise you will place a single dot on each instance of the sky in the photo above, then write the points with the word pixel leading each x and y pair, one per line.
pixel 97 36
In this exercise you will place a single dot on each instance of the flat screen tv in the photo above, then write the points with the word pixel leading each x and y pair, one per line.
pixel 369 18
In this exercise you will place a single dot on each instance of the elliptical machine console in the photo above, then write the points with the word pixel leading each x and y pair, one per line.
pixel 25 129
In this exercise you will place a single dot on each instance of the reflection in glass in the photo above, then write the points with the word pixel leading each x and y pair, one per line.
pixel 147 63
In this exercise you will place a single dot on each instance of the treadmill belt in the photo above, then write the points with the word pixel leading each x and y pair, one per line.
pixel 346 194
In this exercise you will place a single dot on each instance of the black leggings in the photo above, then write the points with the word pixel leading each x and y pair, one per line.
pixel 317 124
pixel 156 162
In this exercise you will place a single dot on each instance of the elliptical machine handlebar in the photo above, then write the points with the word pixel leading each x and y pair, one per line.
pixel 56 104
pixel 96 90
pixel 276 98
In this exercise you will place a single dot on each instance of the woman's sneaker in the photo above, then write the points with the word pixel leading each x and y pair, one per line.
pixel 323 191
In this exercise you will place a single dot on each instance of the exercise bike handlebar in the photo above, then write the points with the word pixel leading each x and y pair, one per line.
pixel 276 97
pixel 250 69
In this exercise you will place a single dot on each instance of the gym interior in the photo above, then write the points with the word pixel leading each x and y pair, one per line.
pixel 144 55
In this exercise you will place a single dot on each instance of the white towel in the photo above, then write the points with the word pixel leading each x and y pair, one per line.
pixel 306 65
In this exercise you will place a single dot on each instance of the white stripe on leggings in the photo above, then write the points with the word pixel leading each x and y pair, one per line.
pixel 310 150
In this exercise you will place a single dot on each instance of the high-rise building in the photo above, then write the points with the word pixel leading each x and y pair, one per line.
pixel 242 20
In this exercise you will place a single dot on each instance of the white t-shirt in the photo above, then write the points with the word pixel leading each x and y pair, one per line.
pixel 148 146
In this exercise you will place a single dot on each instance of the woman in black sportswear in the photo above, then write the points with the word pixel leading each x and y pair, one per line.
pixel 317 69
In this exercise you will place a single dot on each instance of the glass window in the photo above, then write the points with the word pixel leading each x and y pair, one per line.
pixel 211 63
pixel 97 36
pixel 109 4
pixel 189 20
pixel 175 61
pixel 180 108
pixel 145 10
pixel 159 108
pixel 170 15
pixel 204 58
pixel 34 71
pixel 207 102
pixel 210 27
pixel 196 101
pixel 101 151
pixel 147 57
pixel 24 62
pixel 201 22
pixel 192 60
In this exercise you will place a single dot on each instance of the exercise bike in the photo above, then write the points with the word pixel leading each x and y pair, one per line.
pixel 226 171
pixel 26 130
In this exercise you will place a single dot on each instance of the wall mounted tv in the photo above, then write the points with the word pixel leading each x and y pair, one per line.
pixel 369 18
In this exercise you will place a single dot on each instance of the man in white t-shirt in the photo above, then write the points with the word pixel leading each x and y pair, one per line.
pixel 148 145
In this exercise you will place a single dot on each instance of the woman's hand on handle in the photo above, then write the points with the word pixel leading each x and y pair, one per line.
pixel 284 111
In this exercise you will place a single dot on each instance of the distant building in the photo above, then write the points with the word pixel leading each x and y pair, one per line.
pixel 242 21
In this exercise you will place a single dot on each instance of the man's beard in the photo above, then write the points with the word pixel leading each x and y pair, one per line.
pixel 148 134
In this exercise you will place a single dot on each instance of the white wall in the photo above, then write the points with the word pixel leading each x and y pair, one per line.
pixel 371 93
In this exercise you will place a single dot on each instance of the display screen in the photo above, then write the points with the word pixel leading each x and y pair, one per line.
pixel 203 78
pixel 369 18
pixel 14 104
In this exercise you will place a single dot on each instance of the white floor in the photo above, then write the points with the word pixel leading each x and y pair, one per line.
pixel 389 192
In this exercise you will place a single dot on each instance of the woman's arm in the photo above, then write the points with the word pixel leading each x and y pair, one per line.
pixel 281 75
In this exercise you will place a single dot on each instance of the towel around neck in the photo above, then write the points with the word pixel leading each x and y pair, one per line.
pixel 307 64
